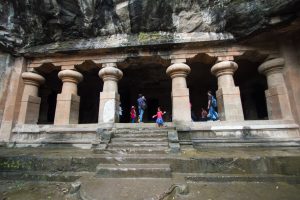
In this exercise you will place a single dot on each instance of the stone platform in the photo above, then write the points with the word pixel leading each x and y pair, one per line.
pixel 198 134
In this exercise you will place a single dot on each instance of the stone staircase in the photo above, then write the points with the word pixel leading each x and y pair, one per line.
pixel 133 171
pixel 140 140
pixel 137 142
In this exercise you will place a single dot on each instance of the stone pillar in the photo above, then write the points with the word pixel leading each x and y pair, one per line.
pixel 278 103
pixel 181 107
pixel 109 97
pixel 67 106
pixel 228 95
pixel 30 103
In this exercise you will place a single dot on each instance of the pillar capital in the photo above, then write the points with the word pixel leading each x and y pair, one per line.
pixel 70 76
pixel 224 68
pixel 110 73
pixel 178 60
pixel 178 70
pixel 272 66
pixel 31 78
pixel 109 65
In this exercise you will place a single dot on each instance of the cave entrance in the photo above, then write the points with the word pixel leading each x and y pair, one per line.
pixel 252 88
pixel 146 76
pixel 199 82
pixel 89 91
pixel 48 93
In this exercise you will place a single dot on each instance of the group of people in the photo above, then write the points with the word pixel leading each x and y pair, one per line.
pixel 142 106
pixel 209 114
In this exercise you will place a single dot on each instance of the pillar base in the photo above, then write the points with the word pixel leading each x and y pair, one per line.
pixel 181 105
pixel 67 109
pixel 29 111
pixel 278 103
pixel 109 107
pixel 229 104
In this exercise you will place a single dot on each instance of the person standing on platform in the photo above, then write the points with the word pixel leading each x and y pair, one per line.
pixel 142 106
pixel 211 106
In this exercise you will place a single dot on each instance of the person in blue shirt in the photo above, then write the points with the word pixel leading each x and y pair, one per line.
pixel 142 105
pixel 211 106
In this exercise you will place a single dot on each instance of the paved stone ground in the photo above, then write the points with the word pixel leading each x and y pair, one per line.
pixel 152 188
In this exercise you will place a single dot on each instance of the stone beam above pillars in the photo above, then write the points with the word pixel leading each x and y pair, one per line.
pixel 178 71
pixel 228 95
pixel 109 97
pixel 67 106
pixel 30 103
pixel 278 103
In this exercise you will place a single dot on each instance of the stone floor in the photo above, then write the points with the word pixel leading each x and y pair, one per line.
pixel 150 189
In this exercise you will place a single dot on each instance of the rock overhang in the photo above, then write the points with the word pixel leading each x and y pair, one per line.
pixel 36 23
pixel 132 41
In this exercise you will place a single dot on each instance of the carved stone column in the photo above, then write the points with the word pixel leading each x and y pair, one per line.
pixel 30 103
pixel 67 105
pixel 228 95
pixel 109 97
pixel 181 111
pixel 277 99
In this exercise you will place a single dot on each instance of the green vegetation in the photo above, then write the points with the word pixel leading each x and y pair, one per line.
pixel 152 37
pixel 14 165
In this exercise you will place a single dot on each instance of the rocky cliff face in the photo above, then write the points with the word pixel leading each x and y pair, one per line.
pixel 26 23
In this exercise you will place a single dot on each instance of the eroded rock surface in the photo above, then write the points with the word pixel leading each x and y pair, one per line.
pixel 26 23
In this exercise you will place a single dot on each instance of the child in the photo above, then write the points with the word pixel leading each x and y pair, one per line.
pixel 159 119
pixel 132 114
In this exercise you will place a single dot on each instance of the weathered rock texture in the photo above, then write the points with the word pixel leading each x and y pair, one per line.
pixel 34 22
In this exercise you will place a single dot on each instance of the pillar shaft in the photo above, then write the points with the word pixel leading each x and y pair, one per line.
pixel 67 105
pixel 30 103
pixel 181 109
pixel 179 82
pixel 277 99
pixel 225 81
pixel 228 95
pixel 110 85
pixel 109 97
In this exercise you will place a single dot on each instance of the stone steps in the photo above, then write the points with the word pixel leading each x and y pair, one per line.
pixel 40 176
pixel 139 135
pixel 215 177
pixel 132 150
pixel 135 159
pixel 133 139
pixel 133 171
pixel 142 131
pixel 253 142
pixel 137 144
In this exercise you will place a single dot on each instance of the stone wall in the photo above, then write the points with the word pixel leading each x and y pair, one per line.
pixel 6 61
pixel 290 50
